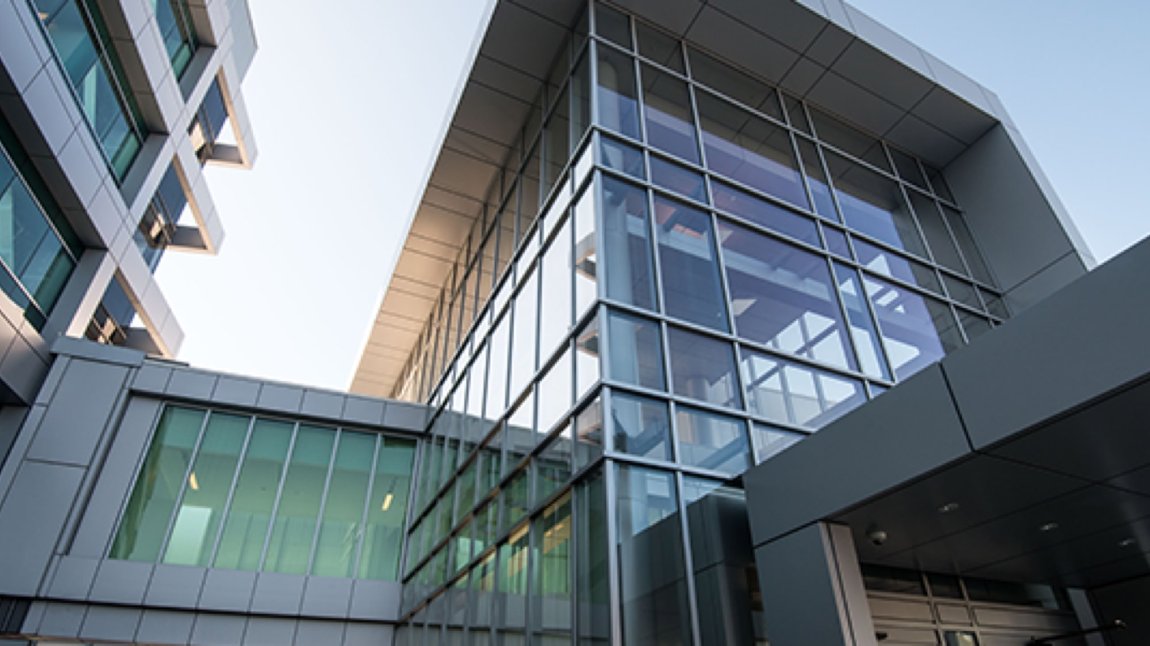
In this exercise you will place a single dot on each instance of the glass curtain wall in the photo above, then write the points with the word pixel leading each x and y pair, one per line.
pixel 175 23
pixel 83 49
pixel 229 490
pixel 693 272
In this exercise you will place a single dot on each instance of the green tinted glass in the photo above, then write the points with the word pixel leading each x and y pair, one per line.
pixel 248 517
pixel 343 508
pixel 295 522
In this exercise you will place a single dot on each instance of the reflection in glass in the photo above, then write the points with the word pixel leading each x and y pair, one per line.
pixel 622 157
pixel 916 330
pixel 764 213
pixel 523 335
pixel 586 259
pixel 513 564
pixel 627 248
pixel 640 426
pixel 678 179
pixel 553 464
pixel 863 330
pixel 750 150
pixel 969 248
pixel 554 393
pixel 795 394
pixel 589 434
pixel 635 356
pixel 941 243
pixel 874 205
pixel 555 292
pixel 659 47
pixel 592 600
pixel 652 581
pixel 849 139
pixel 552 572
pixel 783 297
pixel 667 115
pixel 824 204
pixel 769 440
pixel 687 265
pixel 344 505
pixel 612 25
pixel 733 83
pixel 703 368
pixel 618 97
pixel 711 441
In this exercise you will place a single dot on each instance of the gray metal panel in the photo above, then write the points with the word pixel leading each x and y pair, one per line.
pixel 323 404
pixel 175 586
pixel 212 629
pixel 191 383
pixel 70 431
pixel 1100 321
pixel 361 634
pixel 73 578
pixel 32 516
pixel 377 600
pixel 327 597
pixel 104 623
pixel 62 620
pixel 236 391
pixel 270 631
pixel 227 590
pixel 278 593
pixel 280 397
pixel 121 581
pixel 165 626
pixel 319 632
pixel 845 462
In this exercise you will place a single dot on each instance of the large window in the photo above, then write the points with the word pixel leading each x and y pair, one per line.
pixel 175 23
pixel 233 491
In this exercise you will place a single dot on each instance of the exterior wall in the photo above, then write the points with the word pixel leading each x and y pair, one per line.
pixel 72 470
pixel 38 102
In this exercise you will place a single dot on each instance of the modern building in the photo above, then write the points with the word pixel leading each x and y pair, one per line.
pixel 108 112
pixel 720 322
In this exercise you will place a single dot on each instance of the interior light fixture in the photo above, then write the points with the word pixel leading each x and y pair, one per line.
pixel 192 482
pixel 1047 527
pixel 948 507
pixel 1126 542
pixel 387 501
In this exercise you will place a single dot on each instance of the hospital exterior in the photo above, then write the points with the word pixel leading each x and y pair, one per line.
pixel 662 245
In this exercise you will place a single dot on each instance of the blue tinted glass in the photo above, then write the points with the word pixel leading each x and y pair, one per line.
pixel 703 368
pixel 667 114
pixel 626 241
pixel 690 272
pixel 618 97
pixel 764 213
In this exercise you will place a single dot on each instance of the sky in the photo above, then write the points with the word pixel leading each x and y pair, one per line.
pixel 348 106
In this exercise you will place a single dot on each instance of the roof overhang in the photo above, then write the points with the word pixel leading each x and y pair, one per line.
pixel 829 53
pixel 1021 457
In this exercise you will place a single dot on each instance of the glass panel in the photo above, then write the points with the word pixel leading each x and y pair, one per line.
pixel 652 582
pixel 917 331
pixel 580 101
pixel 734 83
pixel 667 115
pixel 863 331
pixel 612 25
pixel 689 270
pixel 497 371
pixel 554 393
pixel 889 264
pixel 242 541
pixel 908 168
pixel 555 292
pixel 619 156
pixel 589 434
pixel 553 464
pixel 788 392
pixel 516 498
pixel 712 441
pixel 627 248
pixel 750 150
pixel 836 242
pixel 640 426
pixel 703 368
pixel 874 205
pixel 551 593
pixel 769 441
pixel 635 356
pixel 343 508
pixel 764 213
pixel 824 204
pixel 557 141
pixel 796 113
pixel 618 98
pixel 523 336
pixel 482 593
pixel 973 325
pixel 659 47
pixel 961 291
pixel 969 248
pixel 587 358
pixel 586 260
pixel 295 522
pixel 513 564
pixel 784 297
pixel 145 521
pixel 383 531
pixel 849 139
pixel 200 512
pixel 592 600
pixel 937 236
pixel 520 432
pixel 678 179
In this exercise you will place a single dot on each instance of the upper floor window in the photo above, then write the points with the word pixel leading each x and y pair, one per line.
pixel 175 23
pixel 209 122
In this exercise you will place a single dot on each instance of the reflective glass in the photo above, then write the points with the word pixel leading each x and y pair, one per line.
pixel 517 498
pixel 640 426
pixel 784 297
pixel 587 358
pixel 635 355
pixel 667 115
pixel 555 292
pixel 712 441
pixel 941 243
pixel 764 213
pixel 792 393
pixel 863 330
pixel 343 507
pixel 586 259
pixel 678 179
pixel 552 570
pixel 206 495
pixel 523 335
pixel 553 464
pixel 969 248
pixel 612 25
pixel 908 168
pixel 703 368
pixel 618 96
pixel 513 568
pixel 482 598
pixel 520 431
pixel 557 140
pixel 592 599
pixel 497 370
pixel 294 528
pixel 652 582
pixel 916 330
pixel 627 269
pixel 249 515
pixel 622 157
pixel 893 265
pixel 145 521
pixel 824 204
pixel 589 433
pixel 387 508
pixel 687 264
pixel 734 83
pixel 659 47
pixel 554 393
pixel 750 150
pixel 769 440
pixel 849 139
pixel 874 205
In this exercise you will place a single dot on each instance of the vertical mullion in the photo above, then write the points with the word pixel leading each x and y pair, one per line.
pixel 183 483
pixel 278 497
pixel 232 491
pixel 688 559
pixel 322 503
pixel 615 595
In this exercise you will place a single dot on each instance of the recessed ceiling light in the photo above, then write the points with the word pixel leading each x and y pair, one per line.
pixel 948 507
pixel 1047 527
pixel 1126 542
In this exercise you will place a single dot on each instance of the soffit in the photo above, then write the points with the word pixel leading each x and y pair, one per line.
pixel 824 51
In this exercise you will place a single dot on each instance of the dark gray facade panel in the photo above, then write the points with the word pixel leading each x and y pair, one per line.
pixel 277 593
pixel 375 600
pixel 175 586
pixel 69 434
pixel 152 378
pixel 363 410
pixel 229 590
pixel 121 582
pixel 1026 372
pixel 191 384
pixel 1011 219
pixel 852 458
pixel 327 597
pixel 104 623
pixel 236 391
pixel 323 404
pixel 362 634
pixel 218 629
pixel 165 626
pixel 31 517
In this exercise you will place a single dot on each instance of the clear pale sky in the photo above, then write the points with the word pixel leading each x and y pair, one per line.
pixel 347 102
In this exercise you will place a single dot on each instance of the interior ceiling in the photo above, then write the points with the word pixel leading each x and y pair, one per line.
pixel 780 40
pixel 1067 503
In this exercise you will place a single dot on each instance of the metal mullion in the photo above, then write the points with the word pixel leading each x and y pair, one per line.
pixel 240 460
pixel 614 593
pixel 184 482
pixel 410 512
pixel 278 497
pixel 323 503
pixel 688 560
pixel 18 176
pixel 366 506
pixel 865 296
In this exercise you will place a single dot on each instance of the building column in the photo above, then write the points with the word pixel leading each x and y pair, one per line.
pixel 813 590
